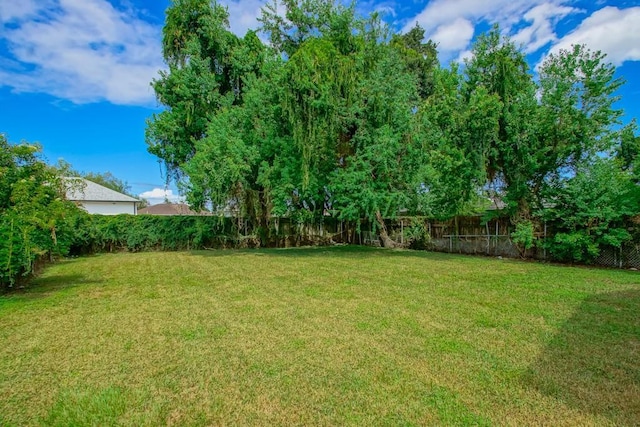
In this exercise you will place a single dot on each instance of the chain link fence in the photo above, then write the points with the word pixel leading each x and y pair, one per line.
pixel 470 235
pixel 628 256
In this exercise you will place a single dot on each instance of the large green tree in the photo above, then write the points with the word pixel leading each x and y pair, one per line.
pixel 498 69
pixel 586 168
pixel 350 96
pixel 577 118
pixel 198 49
pixel 320 122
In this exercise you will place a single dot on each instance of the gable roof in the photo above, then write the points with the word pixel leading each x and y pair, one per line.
pixel 170 209
pixel 83 190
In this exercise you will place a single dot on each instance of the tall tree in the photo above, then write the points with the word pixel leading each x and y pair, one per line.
pixel 456 133
pixel 321 122
pixel 585 171
pixel 577 118
pixel 498 68
pixel 420 57
pixel 197 47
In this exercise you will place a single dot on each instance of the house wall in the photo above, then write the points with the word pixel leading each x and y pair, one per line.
pixel 110 208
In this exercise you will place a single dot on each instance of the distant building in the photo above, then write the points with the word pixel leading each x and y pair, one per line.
pixel 170 209
pixel 97 199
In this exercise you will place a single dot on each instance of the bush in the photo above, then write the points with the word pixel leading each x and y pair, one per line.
pixel 590 211
pixel 523 236
pixel 34 216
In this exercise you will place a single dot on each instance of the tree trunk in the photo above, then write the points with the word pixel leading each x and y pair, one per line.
pixel 387 242
pixel 263 217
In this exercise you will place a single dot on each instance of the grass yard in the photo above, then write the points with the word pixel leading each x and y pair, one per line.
pixel 339 336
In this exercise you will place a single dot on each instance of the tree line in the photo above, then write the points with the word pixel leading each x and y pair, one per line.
pixel 337 114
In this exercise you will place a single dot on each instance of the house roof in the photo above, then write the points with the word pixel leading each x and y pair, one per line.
pixel 170 209
pixel 83 190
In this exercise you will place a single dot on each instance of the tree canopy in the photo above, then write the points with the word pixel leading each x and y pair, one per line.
pixel 338 115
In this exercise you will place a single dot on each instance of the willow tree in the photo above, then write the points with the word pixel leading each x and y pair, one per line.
pixel 323 121
pixel 350 96
pixel 497 68
pixel 237 163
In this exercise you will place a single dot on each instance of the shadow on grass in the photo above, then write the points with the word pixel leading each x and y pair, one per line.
pixel 41 287
pixel 351 251
pixel 301 251
pixel 593 363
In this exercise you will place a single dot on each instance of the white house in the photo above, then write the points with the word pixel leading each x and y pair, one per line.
pixel 96 199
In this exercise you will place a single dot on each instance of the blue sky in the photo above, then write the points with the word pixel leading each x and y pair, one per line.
pixel 75 74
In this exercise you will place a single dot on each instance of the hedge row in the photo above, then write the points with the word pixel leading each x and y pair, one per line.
pixel 97 233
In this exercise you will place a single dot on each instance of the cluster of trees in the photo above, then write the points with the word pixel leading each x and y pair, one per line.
pixel 337 115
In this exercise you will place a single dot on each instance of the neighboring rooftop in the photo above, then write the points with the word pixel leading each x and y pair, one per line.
pixel 170 209
pixel 80 189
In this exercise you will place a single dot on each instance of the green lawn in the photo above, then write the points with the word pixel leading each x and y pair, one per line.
pixel 340 336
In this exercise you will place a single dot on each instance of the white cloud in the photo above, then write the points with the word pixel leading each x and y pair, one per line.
pixel 541 31
pixel 160 195
pixel 611 30
pixel 386 8
pixel 17 10
pixel 243 15
pixel 88 51
pixel 453 36
pixel 80 50
pixel 441 15
pixel 464 55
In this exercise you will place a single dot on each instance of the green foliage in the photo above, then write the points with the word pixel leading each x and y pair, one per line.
pixel 302 20
pixel 591 210
pixel 420 58
pixel 417 234
pixel 454 133
pixel 523 236
pixel 340 116
pixel 198 47
pixel 628 150
pixel 577 116
pixel 112 233
pixel 497 76
pixel 34 216
pixel 327 129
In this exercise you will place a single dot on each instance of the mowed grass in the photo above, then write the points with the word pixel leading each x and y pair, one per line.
pixel 324 336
